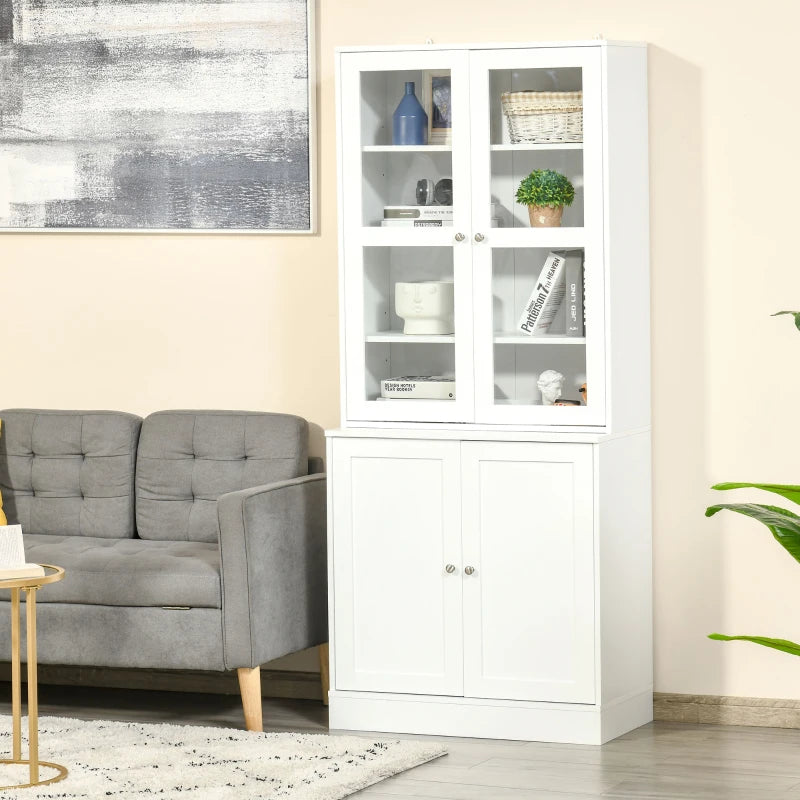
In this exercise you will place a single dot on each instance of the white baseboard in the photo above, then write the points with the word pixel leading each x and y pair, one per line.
pixel 488 719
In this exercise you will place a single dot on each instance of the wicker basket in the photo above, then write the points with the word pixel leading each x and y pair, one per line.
pixel 541 117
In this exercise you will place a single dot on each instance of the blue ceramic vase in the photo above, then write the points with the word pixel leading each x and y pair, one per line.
pixel 410 122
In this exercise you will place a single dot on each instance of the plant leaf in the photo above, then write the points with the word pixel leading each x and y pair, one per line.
pixel 783 525
pixel 776 644
pixel 795 314
pixel 784 490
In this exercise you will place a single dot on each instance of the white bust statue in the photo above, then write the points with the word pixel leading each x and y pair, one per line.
pixel 550 384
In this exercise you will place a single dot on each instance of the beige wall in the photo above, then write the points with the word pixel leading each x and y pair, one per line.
pixel 149 322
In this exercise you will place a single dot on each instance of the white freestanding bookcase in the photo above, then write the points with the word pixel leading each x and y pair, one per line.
pixel 490 556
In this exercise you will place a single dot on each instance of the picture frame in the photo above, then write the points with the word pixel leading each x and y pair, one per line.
pixel 110 178
pixel 437 96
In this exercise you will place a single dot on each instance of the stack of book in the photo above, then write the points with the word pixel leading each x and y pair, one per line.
pixel 417 216
pixel 419 387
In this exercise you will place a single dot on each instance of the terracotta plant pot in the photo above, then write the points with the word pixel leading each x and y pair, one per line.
pixel 545 216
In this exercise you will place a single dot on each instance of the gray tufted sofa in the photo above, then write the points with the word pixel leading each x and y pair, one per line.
pixel 190 539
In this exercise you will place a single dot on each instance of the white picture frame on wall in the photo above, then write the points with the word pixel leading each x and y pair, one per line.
pixel 233 151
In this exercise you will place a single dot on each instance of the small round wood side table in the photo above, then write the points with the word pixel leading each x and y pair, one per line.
pixel 30 586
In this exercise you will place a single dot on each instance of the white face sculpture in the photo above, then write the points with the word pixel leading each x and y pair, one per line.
pixel 550 384
pixel 426 306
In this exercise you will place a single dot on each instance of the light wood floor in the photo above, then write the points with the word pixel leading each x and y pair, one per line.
pixel 662 760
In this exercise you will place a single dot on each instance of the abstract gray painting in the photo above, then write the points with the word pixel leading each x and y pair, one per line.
pixel 155 114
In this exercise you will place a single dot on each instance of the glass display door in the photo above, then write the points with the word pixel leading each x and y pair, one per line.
pixel 405 182
pixel 538 286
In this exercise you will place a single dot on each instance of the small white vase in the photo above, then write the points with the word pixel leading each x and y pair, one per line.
pixel 425 306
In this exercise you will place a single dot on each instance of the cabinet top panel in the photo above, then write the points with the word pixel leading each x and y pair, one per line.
pixel 464 434
pixel 486 46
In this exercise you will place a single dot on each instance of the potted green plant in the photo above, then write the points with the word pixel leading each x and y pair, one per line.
pixel 545 192
pixel 783 524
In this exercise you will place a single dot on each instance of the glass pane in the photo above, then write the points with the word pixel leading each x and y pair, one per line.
pixel 509 167
pixel 536 121
pixel 538 326
pixel 409 323
pixel 394 182
pixel 381 93
pixel 407 180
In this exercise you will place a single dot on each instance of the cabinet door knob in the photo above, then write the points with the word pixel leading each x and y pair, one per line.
pixel 479 237
pixel 450 569
pixel 469 570
pixel 460 237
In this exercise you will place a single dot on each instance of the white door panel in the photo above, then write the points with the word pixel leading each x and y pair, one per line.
pixel 507 260
pixel 396 517
pixel 529 604
pixel 374 173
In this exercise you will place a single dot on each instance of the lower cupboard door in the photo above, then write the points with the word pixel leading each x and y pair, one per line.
pixel 529 571
pixel 396 517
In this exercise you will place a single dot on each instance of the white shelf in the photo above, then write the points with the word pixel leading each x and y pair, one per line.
pixel 503 148
pixel 413 401
pixel 407 148
pixel 395 337
pixel 550 238
pixel 521 338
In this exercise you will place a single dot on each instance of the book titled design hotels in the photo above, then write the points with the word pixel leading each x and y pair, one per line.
pixel 419 387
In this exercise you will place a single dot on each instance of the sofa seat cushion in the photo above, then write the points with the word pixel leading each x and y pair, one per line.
pixel 128 572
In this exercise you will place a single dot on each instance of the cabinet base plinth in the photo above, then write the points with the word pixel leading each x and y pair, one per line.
pixel 489 719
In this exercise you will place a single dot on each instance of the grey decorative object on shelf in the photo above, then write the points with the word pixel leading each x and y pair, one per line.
pixel 443 192
pixel 425 192
pixel 429 192
pixel 145 116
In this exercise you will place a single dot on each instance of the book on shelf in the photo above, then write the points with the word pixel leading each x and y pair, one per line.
pixel 416 223
pixel 12 555
pixel 546 297
pixel 418 212
pixel 573 280
pixel 419 387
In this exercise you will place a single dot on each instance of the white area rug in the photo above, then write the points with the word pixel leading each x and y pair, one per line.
pixel 121 761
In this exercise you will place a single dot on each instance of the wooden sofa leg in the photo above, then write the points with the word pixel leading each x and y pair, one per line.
pixel 324 671
pixel 250 687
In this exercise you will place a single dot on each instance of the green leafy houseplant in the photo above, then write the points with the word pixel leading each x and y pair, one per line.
pixel 783 524
pixel 545 192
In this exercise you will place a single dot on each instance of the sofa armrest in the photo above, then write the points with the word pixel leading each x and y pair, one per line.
pixel 274 570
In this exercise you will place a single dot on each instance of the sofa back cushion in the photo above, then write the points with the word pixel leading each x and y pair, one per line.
pixel 187 459
pixel 69 473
